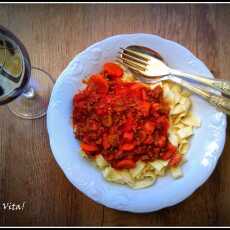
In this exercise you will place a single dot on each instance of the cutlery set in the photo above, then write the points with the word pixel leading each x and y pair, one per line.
pixel 151 68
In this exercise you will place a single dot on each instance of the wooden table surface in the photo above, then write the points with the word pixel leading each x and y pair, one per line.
pixel 53 35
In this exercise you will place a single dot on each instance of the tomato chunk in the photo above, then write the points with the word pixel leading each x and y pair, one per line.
pixel 113 70
pixel 145 107
pixel 105 142
pixel 166 155
pixel 125 164
pixel 99 83
pixel 175 160
pixel 89 147
pixel 127 147
pixel 128 136
pixel 148 140
pixel 162 141
pixel 149 127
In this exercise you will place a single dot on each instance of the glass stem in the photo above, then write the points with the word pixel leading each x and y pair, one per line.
pixel 29 92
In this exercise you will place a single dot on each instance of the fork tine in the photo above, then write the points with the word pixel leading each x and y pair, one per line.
pixel 119 59
pixel 134 58
pixel 138 54
pixel 133 63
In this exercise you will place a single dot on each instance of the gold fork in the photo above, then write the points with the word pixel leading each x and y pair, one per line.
pixel 139 63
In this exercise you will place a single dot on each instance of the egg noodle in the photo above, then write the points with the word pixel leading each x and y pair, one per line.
pixel 182 122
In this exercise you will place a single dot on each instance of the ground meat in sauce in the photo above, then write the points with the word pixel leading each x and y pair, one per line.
pixel 123 121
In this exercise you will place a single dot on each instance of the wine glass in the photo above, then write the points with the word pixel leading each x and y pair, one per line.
pixel 25 89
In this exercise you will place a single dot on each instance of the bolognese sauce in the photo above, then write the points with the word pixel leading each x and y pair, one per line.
pixel 123 121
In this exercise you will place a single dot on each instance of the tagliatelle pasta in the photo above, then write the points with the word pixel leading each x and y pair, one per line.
pixel 182 122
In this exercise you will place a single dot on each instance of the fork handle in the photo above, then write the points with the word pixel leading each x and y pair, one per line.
pixel 221 85
pixel 220 102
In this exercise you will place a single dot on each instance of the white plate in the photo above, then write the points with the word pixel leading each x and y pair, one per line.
pixel 206 145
